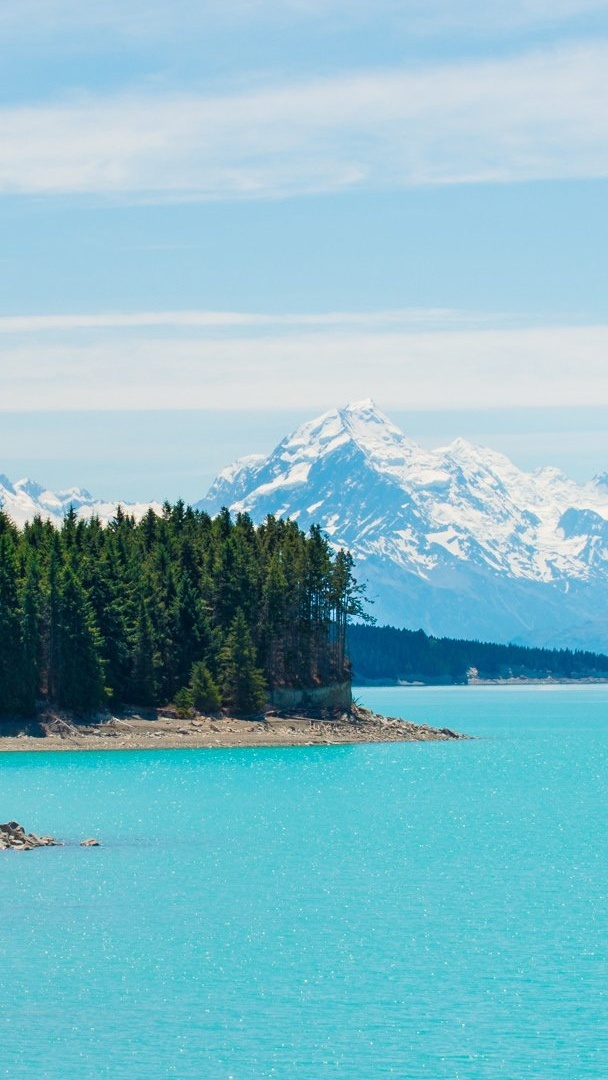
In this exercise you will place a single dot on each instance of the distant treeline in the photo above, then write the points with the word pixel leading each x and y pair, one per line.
pixel 385 653
pixel 178 608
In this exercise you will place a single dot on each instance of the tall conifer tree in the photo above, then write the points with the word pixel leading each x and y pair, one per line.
pixel 243 685
pixel 11 646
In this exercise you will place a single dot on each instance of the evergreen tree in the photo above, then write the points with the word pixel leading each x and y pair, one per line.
pixel 274 628
pixel 177 600
pixel 31 634
pixel 80 679
pixel 391 654
pixel 11 646
pixel 191 630
pixel 142 683
pixel 243 685
pixel 204 694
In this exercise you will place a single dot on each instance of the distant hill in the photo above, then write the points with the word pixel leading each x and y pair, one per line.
pixel 384 654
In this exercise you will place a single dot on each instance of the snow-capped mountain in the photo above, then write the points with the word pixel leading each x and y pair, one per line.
pixel 25 499
pixel 457 540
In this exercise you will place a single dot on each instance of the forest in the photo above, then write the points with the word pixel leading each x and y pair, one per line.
pixel 205 613
pixel 386 654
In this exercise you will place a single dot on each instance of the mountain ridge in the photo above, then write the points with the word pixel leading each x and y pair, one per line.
pixel 23 500
pixel 457 540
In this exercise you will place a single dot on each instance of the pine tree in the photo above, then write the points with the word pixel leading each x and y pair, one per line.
pixel 144 609
pixel 110 593
pixel 30 634
pixel 142 686
pixel 274 620
pixel 243 686
pixel 191 630
pixel 81 683
pixel 204 694
pixel 11 651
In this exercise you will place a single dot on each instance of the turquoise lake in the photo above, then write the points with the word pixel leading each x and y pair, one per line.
pixel 432 911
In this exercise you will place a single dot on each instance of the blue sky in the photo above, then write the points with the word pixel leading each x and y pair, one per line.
pixel 220 219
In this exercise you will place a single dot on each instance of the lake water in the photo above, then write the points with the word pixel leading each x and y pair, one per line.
pixel 432 911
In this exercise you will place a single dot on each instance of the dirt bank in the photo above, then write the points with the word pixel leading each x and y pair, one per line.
pixel 132 731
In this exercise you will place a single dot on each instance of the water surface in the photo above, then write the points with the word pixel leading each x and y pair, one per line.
pixel 433 910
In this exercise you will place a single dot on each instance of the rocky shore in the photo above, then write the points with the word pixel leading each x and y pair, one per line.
pixel 134 731
pixel 14 837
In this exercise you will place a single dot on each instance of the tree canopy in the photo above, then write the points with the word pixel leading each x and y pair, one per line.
pixel 387 654
pixel 213 611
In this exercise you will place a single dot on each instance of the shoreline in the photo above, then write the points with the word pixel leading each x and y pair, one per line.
pixel 515 680
pixel 133 732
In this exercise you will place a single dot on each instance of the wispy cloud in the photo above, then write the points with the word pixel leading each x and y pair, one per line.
pixel 231 320
pixel 562 366
pixel 543 115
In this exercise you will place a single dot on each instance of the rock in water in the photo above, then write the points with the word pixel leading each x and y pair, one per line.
pixel 91 842
pixel 14 837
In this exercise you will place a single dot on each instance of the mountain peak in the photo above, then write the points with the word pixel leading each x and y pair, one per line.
pixel 30 487
pixel 366 405
pixel 457 539
pixel 360 423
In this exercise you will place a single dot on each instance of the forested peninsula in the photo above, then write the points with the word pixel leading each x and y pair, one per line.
pixel 178 608
pixel 178 631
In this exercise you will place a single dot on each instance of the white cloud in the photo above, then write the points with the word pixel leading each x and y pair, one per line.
pixel 543 115
pixel 449 369
pixel 228 320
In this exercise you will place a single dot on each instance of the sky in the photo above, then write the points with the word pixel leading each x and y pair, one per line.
pixel 220 219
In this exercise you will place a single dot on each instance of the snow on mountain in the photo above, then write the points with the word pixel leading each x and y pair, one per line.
pixel 457 540
pixel 236 480
pixel 25 499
